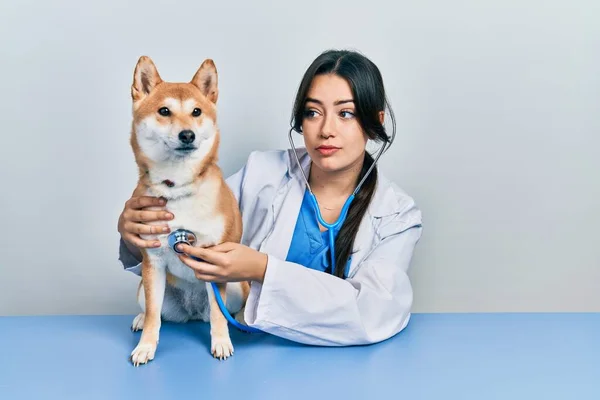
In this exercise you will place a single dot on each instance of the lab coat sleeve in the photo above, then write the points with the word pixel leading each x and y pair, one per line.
pixel 316 308
pixel 129 261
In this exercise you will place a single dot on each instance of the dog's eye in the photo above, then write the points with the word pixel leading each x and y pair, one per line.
pixel 196 112
pixel 164 111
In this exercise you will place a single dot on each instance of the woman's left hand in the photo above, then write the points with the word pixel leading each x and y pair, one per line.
pixel 226 262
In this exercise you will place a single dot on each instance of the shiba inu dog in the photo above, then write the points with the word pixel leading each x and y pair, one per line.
pixel 175 140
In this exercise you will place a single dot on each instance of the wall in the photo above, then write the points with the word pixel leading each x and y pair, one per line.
pixel 497 106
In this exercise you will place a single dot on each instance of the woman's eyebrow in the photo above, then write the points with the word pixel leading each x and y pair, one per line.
pixel 310 99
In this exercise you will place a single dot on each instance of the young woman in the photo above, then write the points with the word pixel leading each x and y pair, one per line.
pixel 295 293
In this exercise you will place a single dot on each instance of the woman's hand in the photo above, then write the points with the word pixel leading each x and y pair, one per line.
pixel 134 219
pixel 226 262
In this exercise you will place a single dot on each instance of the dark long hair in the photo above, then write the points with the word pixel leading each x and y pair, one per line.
pixel 370 99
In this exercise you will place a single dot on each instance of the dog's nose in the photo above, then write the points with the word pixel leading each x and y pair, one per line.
pixel 186 137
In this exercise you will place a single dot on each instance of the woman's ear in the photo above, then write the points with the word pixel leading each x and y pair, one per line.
pixel 381 117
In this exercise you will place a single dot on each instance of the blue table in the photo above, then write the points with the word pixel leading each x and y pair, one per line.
pixel 439 356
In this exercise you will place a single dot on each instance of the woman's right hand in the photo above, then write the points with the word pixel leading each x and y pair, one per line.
pixel 134 219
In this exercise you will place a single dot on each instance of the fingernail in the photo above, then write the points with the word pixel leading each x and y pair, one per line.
pixel 162 201
pixel 165 229
pixel 169 216
pixel 156 244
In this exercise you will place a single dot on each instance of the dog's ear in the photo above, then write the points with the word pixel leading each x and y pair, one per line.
pixel 207 80
pixel 145 78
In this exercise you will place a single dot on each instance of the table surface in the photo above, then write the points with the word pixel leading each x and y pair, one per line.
pixel 438 356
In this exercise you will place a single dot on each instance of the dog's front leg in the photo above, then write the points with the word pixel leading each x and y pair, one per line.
pixel 221 346
pixel 154 279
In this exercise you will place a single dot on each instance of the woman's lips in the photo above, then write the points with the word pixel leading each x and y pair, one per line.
pixel 327 150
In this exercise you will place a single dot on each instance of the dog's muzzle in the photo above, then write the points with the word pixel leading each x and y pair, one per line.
pixel 181 236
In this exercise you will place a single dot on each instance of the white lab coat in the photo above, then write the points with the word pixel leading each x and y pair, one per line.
pixel 309 306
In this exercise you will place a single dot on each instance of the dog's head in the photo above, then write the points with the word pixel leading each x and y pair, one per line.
pixel 173 122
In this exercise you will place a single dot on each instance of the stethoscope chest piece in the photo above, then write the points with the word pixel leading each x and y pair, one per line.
pixel 181 236
pixel 188 237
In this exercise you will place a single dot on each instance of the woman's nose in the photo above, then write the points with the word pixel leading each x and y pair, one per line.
pixel 328 127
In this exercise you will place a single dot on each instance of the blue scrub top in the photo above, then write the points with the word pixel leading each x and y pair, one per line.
pixel 310 246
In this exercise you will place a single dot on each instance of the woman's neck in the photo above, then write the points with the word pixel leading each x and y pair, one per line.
pixel 333 186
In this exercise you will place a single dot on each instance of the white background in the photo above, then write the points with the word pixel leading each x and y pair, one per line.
pixel 498 134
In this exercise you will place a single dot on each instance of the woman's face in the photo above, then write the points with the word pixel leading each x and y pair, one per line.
pixel 332 135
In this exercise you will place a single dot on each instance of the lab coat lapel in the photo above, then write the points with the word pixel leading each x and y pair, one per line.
pixel 285 209
pixel 366 237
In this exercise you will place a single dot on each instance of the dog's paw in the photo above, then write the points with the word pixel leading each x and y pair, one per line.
pixel 138 322
pixel 143 353
pixel 221 347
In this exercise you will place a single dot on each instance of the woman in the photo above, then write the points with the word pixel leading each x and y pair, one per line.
pixel 339 106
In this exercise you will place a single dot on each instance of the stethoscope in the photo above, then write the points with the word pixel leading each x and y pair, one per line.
pixel 333 226
pixel 189 238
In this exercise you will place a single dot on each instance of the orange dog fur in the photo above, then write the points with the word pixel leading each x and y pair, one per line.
pixel 175 140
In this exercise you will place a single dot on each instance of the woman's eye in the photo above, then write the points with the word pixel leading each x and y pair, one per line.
pixel 196 112
pixel 164 111
pixel 309 113
pixel 347 114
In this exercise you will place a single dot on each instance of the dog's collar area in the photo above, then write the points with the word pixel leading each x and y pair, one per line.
pixel 166 182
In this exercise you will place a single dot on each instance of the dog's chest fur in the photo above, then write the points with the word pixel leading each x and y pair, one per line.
pixel 194 207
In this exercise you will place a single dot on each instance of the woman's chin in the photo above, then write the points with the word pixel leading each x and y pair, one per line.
pixel 328 164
